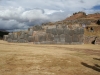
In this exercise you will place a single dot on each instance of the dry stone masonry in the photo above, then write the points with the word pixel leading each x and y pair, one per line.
pixel 56 34
pixel 76 29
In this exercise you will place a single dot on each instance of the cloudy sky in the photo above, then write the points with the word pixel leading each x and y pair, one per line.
pixel 21 14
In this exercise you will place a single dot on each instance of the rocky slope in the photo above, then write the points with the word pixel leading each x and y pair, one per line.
pixel 81 17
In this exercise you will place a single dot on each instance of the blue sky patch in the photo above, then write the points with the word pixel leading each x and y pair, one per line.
pixel 97 7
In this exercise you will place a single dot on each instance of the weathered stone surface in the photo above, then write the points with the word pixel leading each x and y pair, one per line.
pixel 5 37
pixel 10 35
pixel 30 32
pixel 62 38
pixel 22 35
pixel 39 36
pixel 54 31
pixel 42 38
pixel 56 38
pixel 37 28
pixel 68 31
pixel 48 30
pixel 81 38
pixel 9 40
pixel 68 39
pixel 58 35
pixel 36 38
pixel 89 39
pixel 75 38
pixel 15 36
pixel 49 37
pixel 97 41
pixel 30 39
pixel 60 31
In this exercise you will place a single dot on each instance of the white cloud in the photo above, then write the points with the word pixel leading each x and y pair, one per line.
pixel 32 15
pixel 48 12
pixel 24 13
pixel 14 18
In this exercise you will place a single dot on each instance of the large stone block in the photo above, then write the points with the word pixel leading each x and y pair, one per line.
pixel 10 35
pixel 75 38
pixel 56 38
pixel 9 40
pixel 26 36
pixel 22 35
pixel 68 39
pixel 39 36
pixel 14 41
pixel 81 38
pixel 66 31
pixel 37 28
pixel 62 38
pixel 30 39
pixel 30 32
pixel 79 31
pixel 89 39
pixel 71 32
pixel 54 31
pixel 15 36
pixel 48 30
pixel 60 31
pixel 42 38
pixel 97 41
pixel 5 37
pixel 36 38
pixel 49 37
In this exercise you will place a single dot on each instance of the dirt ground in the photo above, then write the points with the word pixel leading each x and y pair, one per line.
pixel 30 59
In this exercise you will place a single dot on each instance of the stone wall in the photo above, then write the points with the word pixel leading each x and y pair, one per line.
pixel 57 34
pixel 92 40
pixel 97 42
pixel 89 39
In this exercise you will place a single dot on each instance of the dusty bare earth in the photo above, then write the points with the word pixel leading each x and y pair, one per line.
pixel 30 59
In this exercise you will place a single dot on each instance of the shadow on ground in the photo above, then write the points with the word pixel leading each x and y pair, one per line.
pixel 97 59
pixel 95 67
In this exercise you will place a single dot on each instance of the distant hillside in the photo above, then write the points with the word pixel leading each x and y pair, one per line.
pixel 2 33
pixel 82 18
pixel 77 16
pixel 82 15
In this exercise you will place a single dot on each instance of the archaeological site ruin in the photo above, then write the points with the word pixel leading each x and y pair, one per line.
pixel 76 29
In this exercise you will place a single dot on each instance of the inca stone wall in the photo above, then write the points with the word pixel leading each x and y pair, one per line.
pixel 92 35
pixel 89 39
pixel 56 34
pixel 92 40
pixel 97 41
pixel 76 29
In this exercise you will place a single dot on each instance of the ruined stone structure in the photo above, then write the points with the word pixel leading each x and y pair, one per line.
pixel 76 29
pixel 92 35
pixel 56 34
pixel 97 41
